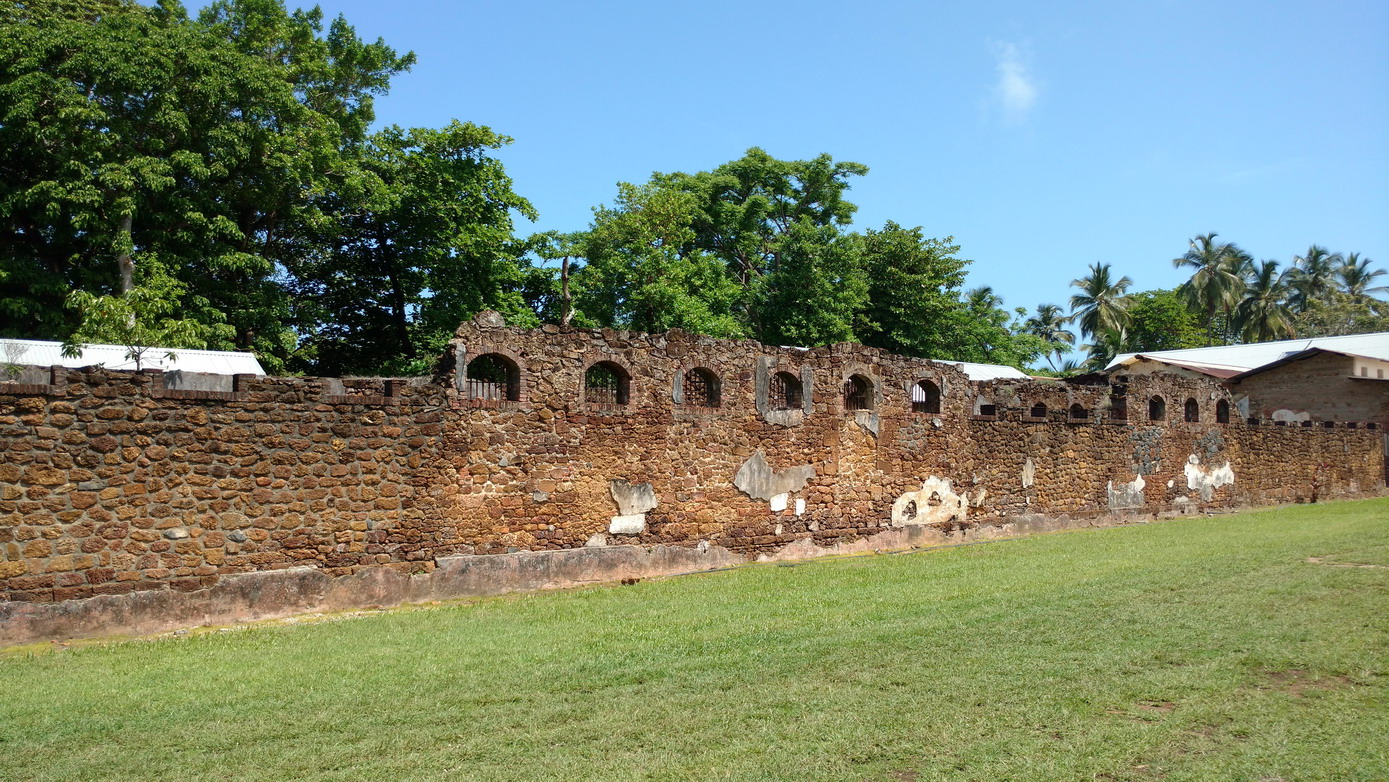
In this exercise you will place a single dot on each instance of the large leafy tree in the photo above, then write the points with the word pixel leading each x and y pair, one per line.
pixel 643 270
pixel 137 137
pixel 1160 320
pixel 913 290
pixel 420 242
pixel 754 212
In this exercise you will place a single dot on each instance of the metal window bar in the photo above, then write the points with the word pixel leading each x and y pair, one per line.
pixel 1078 412
pixel 1192 411
pixel 1038 410
pixel 701 389
pixel 490 378
pixel 856 394
pixel 784 391
pixel 604 386
pixel 1222 412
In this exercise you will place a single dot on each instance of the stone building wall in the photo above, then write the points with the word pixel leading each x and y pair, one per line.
pixel 1322 387
pixel 121 499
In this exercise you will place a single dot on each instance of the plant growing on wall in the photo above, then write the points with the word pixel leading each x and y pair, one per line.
pixel 140 319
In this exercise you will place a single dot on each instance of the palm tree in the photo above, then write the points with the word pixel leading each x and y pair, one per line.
pixel 1218 280
pixel 1356 277
pixel 1101 304
pixel 1261 314
pixel 1107 344
pixel 1312 277
pixel 1050 325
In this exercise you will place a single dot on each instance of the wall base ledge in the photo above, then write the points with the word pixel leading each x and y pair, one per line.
pixel 274 594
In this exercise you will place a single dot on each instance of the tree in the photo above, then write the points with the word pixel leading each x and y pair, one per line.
pixel 1217 282
pixel 985 332
pixel 137 136
pixel 1049 325
pixel 1356 277
pixel 1100 306
pixel 1312 277
pixel 1339 313
pixel 1262 315
pixel 816 290
pixel 422 242
pixel 643 270
pixel 913 290
pixel 140 318
pixel 1159 320
pixel 753 211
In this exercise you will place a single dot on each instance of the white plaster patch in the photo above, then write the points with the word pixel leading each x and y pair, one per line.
pixel 596 540
pixel 778 502
pixel 1127 495
pixel 1029 473
pixel 1207 481
pixel 779 530
pixel 935 501
pixel 633 524
pixel 1285 414
pixel 1170 484
pixel 800 507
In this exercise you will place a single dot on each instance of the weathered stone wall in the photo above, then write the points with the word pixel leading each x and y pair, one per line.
pixel 112 484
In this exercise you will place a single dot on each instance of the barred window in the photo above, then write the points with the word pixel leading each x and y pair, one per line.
pixel 858 393
pixel 1192 411
pixel 606 385
pixel 784 391
pixel 492 377
pixel 1222 412
pixel 1078 412
pixel 701 388
pixel 1038 410
pixel 925 397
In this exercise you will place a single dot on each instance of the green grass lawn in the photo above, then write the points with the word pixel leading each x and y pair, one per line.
pixel 1195 649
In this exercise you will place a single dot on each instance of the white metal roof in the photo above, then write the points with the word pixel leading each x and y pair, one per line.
pixel 28 352
pixel 989 371
pixel 1246 357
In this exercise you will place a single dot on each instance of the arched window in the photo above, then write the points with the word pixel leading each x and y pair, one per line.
pixel 1039 410
pixel 492 377
pixel 925 397
pixel 858 393
pixel 1191 411
pixel 1222 412
pixel 606 385
pixel 1157 409
pixel 784 392
pixel 1078 412
pixel 701 388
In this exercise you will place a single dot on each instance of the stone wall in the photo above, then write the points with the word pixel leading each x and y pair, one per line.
pixel 123 500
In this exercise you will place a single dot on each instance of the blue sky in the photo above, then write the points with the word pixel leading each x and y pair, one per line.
pixel 1042 136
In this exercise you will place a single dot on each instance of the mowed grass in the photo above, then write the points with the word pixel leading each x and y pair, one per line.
pixel 1195 649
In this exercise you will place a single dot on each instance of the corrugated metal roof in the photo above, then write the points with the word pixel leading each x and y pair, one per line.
pixel 1246 357
pixel 989 371
pixel 28 352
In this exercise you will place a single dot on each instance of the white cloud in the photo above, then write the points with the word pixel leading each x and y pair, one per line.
pixel 1016 88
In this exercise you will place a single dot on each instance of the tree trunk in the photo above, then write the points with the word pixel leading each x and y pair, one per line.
pixel 123 261
pixel 566 305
